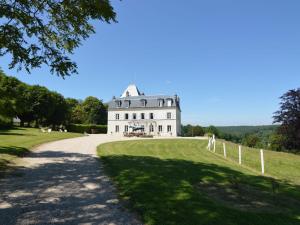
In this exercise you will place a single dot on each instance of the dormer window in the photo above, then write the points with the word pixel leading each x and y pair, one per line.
pixel 169 102
pixel 126 103
pixel 160 102
pixel 119 103
pixel 144 102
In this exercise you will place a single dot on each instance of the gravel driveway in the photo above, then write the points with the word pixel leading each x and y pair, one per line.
pixel 62 183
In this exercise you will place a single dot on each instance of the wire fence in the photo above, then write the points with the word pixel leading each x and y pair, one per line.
pixel 249 157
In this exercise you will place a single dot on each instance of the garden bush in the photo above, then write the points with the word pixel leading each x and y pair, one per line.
pixel 88 128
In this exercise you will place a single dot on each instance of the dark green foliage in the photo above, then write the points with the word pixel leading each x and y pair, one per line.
pixel 5 122
pixel 289 117
pixel 212 130
pixel 48 31
pixel 90 111
pixel 244 130
pixel 192 131
pixel 95 111
pixel 88 128
pixel 36 104
pixel 252 136
pixel 251 140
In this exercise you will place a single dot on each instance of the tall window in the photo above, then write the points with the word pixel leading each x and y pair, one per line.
pixel 127 103
pixel 134 116
pixel 160 128
pixel 119 103
pixel 126 116
pixel 117 128
pixel 126 128
pixel 151 116
pixel 117 116
pixel 169 128
pixel 143 128
pixel 142 116
pixel 169 115
pixel 160 102
pixel 151 128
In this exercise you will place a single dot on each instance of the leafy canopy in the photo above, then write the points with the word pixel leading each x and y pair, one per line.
pixel 40 32
pixel 289 117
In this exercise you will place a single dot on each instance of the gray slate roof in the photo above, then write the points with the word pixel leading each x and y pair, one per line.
pixel 137 102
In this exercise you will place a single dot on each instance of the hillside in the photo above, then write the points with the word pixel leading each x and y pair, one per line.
pixel 243 130
pixel 181 182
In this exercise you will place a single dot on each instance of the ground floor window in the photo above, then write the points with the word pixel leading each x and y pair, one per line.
pixel 151 128
pixel 126 128
pixel 160 128
pixel 117 128
pixel 134 116
pixel 169 128
pixel 142 116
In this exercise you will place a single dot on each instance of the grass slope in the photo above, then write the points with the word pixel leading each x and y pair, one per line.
pixel 14 143
pixel 180 182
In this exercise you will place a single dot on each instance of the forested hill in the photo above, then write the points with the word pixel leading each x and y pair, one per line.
pixel 243 130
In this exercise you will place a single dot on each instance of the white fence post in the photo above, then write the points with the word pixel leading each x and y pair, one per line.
pixel 224 149
pixel 214 145
pixel 262 161
pixel 209 144
pixel 240 154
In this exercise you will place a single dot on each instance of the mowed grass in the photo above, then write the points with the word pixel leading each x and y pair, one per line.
pixel 181 182
pixel 15 143
pixel 281 165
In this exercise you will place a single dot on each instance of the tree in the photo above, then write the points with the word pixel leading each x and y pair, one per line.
pixel 213 130
pixel 47 31
pixel 11 90
pixel 289 117
pixel 59 113
pixel 251 140
pixel 198 131
pixel 95 111
pixel 78 115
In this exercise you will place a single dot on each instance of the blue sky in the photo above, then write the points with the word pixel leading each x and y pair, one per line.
pixel 228 60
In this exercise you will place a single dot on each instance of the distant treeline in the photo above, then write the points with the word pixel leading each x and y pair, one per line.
pixel 37 106
pixel 251 136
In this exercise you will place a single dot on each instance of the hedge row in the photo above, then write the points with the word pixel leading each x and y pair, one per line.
pixel 5 122
pixel 88 128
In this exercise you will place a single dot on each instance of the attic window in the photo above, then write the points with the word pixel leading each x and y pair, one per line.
pixel 127 103
pixel 119 103
pixel 160 102
pixel 169 102
pixel 144 102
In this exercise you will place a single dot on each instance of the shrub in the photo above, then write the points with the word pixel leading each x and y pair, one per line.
pixel 88 128
pixel 5 122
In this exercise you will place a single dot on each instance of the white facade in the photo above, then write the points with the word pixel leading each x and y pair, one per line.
pixel 153 115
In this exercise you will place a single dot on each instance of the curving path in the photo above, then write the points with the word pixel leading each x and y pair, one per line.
pixel 62 182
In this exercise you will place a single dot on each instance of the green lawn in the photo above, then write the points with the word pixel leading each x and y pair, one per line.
pixel 180 182
pixel 14 143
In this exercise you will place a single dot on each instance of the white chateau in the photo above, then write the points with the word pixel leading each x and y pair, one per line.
pixel 158 115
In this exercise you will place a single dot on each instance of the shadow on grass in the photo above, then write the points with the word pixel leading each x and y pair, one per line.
pixel 7 155
pixel 67 188
pixel 14 150
pixel 11 128
pixel 167 192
